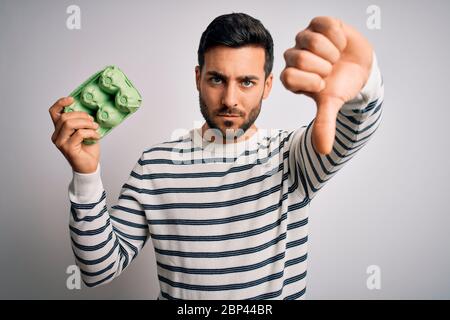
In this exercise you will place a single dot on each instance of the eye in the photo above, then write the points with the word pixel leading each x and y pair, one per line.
pixel 248 83
pixel 215 80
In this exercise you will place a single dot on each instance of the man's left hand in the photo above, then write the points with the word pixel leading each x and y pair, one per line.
pixel 330 63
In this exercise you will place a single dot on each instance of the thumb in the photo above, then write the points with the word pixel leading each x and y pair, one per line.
pixel 324 127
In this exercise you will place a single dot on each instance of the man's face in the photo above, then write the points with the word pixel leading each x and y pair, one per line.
pixel 231 87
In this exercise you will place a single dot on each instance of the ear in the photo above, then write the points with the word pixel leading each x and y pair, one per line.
pixel 268 86
pixel 197 77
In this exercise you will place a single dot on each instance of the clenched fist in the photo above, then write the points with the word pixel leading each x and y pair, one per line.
pixel 330 63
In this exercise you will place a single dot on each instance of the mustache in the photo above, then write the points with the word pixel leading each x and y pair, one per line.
pixel 230 111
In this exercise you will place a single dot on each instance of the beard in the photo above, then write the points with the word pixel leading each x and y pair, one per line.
pixel 209 118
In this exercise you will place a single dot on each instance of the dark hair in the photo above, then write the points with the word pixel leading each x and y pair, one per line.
pixel 236 30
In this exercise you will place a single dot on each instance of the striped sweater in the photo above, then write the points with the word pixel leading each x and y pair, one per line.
pixel 227 221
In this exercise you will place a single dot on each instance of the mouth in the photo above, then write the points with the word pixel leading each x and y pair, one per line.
pixel 229 115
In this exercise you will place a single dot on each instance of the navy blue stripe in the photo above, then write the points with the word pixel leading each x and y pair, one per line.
pixel 132 247
pixel 294 278
pixel 302 179
pixel 86 218
pixel 350 140
pixel 233 169
pixel 224 270
pixel 353 120
pixel 234 286
pixel 269 295
pixel 88 206
pixel 296 260
pixel 296 243
pixel 313 168
pixel 350 155
pixel 99 260
pixel 178 150
pixel 129 236
pixel 130 224
pixel 203 189
pixel 241 217
pixel 230 236
pixel 94 247
pixel 94 274
pixel 245 268
pixel 296 295
pixel 220 204
pixel 297 224
pixel 124 254
pixel 298 174
pixel 356 131
pixel 129 210
pixel 93 284
pixel 90 232
pixel 355 143
pixel 318 157
pixel 168 296
pixel 223 253
pixel 272 295
pixel 232 252
pixel 369 107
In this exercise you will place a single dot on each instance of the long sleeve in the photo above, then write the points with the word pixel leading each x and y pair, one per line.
pixel 356 123
pixel 105 241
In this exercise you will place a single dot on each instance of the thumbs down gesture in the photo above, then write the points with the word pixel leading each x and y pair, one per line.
pixel 330 63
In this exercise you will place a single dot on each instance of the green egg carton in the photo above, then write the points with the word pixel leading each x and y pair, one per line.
pixel 108 96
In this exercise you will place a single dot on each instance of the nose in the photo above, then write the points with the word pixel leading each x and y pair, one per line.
pixel 230 96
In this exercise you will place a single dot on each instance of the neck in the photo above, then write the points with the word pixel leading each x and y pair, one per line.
pixel 247 135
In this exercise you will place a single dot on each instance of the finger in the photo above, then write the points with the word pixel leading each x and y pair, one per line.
pixel 324 127
pixel 71 128
pixel 77 138
pixel 297 80
pixel 66 121
pixel 76 124
pixel 331 28
pixel 307 61
pixel 69 115
pixel 318 44
pixel 57 108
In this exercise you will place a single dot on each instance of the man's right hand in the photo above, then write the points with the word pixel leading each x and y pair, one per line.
pixel 70 130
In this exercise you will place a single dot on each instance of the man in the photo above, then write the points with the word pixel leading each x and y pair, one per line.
pixel 229 223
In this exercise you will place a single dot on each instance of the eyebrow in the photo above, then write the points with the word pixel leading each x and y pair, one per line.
pixel 220 75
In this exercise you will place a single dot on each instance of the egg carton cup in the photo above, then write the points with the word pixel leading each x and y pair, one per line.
pixel 108 96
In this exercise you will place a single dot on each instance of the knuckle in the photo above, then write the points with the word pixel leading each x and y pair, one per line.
pixel 287 79
pixel 316 20
pixel 300 36
pixel 328 68
pixel 318 82
pixel 300 59
pixel 65 124
pixel 64 116
pixel 78 133
pixel 313 42
pixel 334 28
pixel 286 54
pixel 322 20
pixel 316 85
pixel 60 101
